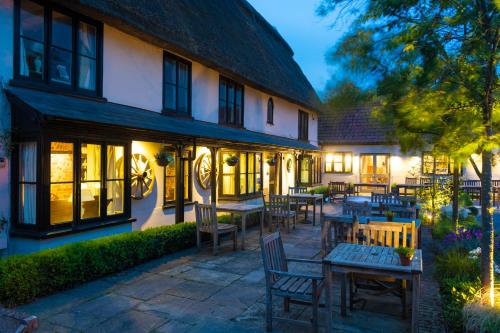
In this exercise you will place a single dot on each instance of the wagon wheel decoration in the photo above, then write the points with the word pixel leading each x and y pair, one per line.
pixel 204 170
pixel 142 177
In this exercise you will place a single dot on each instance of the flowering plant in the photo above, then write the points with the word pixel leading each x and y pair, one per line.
pixel 464 238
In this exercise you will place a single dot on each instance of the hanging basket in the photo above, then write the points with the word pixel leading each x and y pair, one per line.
pixel 232 160
pixel 163 157
pixel 271 161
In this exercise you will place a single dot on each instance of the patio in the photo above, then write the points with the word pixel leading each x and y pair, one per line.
pixel 199 292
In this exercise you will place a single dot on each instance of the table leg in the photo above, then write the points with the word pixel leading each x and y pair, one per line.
pixel 329 282
pixel 314 212
pixel 343 310
pixel 262 214
pixel 243 229
pixel 415 300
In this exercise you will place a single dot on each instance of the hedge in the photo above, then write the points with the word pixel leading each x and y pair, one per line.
pixel 23 278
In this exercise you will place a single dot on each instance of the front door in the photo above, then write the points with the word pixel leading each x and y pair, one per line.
pixel 374 168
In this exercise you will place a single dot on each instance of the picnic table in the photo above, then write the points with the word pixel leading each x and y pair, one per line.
pixel 243 210
pixel 310 198
pixel 377 260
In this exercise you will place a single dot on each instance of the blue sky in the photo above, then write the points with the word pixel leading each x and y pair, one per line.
pixel 309 36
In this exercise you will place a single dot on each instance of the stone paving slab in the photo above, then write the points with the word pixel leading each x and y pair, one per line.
pixel 191 292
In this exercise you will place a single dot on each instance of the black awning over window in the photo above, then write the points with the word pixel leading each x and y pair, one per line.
pixel 57 106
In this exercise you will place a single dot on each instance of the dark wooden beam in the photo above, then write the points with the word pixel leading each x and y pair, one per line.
pixel 213 174
pixel 179 184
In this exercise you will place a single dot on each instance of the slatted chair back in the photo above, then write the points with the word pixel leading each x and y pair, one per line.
pixel 473 182
pixel 495 183
pixel 356 209
pixel 297 190
pixel 411 180
pixel 279 205
pixel 425 181
pixel 273 255
pixel 206 217
pixel 264 203
pixel 386 199
pixel 337 187
pixel 390 234
pixel 404 212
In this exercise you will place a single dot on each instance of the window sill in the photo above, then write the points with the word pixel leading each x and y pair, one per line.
pixel 240 197
pixel 53 89
pixel 170 205
pixel 69 230
pixel 232 126
pixel 339 173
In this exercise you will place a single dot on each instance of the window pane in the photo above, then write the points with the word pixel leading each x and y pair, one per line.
pixel 228 176
pixel 60 66
pixel 170 71
pixel 182 101
pixel 61 203
pixel 328 166
pixel 91 162
pixel 304 171
pixel 31 62
pixel 348 162
pixel 251 182
pixel 87 40
pixel 230 104
pixel 238 106
pixel 90 193
pixel 115 167
pixel 187 185
pixel 61 162
pixel 243 173
pixel 222 90
pixel 183 75
pixel 258 168
pixel 170 182
pixel 32 18
pixel 367 164
pixel 382 164
pixel 27 203
pixel 27 173
pixel 115 204
pixel 62 27
pixel 87 73
pixel 170 98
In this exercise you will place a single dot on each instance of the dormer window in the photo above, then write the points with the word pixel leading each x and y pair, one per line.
pixel 270 111
pixel 176 85
pixel 57 48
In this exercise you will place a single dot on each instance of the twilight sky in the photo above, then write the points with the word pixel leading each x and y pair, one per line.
pixel 309 36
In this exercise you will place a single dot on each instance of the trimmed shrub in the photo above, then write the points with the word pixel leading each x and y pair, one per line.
pixel 481 318
pixel 23 278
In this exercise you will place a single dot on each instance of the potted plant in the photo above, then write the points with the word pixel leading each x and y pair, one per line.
pixel 389 214
pixel 164 157
pixel 405 255
pixel 271 161
pixel 232 160
pixel 394 189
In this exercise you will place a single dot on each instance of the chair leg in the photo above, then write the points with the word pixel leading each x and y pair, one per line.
pixel 403 298
pixel 235 240
pixel 315 305
pixel 216 242
pixel 269 311
pixel 286 304
pixel 198 240
pixel 287 223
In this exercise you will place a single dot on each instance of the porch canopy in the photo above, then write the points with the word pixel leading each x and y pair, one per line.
pixel 57 107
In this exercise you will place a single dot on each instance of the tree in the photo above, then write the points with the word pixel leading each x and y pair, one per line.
pixel 435 67
pixel 345 94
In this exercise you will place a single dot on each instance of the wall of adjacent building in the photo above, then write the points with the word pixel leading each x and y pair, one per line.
pixel 401 165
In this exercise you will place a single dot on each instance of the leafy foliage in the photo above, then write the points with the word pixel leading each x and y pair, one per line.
pixel 26 277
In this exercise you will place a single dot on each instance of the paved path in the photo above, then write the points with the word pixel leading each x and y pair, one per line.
pixel 197 292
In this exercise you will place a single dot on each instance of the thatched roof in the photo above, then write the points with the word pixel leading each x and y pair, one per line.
pixel 352 126
pixel 227 35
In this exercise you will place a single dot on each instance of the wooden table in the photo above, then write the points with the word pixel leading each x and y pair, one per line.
pixel 331 219
pixel 377 260
pixel 406 187
pixel 309 197
pixel 243 210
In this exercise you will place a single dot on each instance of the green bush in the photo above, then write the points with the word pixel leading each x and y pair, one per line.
pixel 456 263
pixel 320 190
pixel 479 317
pixel 442 228
pixel 252 219
pixel 26 277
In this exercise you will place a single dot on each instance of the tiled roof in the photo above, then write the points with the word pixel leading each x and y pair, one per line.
pixel 352 126
pixel 227 35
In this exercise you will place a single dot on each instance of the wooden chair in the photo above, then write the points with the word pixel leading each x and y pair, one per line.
pixel 293 287
pixel 389 234
pixel 279 211
pixel 411 180
pixel 298 204
pixel 206 222
pixel 343 231
pixel 337 190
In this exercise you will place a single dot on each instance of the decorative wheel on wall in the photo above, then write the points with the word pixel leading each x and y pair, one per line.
pixel 203 170
pixel 289 165
pixel 143 177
